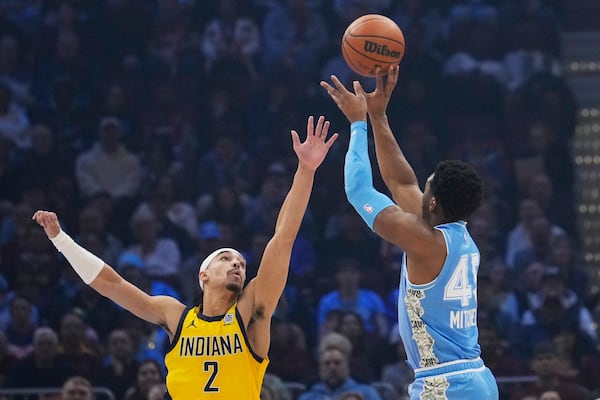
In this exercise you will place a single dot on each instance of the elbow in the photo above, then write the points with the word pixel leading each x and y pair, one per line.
pixel 353 188
pixel 283 240
pixel 352 183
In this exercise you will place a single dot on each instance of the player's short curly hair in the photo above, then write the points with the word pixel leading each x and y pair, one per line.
pixel 457 188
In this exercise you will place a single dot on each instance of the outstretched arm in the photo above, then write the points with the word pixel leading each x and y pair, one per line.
pixel 161 310
pixel 396 172
pixel 273 270
pixel 262 294
pixel 388 220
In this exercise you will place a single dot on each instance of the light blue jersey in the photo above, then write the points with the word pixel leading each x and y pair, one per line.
pixel 438 324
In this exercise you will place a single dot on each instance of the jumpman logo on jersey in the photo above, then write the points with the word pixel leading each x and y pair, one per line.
pixel 193 323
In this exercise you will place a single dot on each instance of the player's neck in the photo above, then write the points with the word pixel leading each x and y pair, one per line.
pixel 215 304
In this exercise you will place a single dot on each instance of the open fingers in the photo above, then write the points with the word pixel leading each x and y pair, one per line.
pixel 324 130
pixel 339 85
pixel 392 79
pixel 295 138
pixel 319 126
pixel 331 140
pixel 358 89
pixel 332 92
pixel 310 126
pixel 379 85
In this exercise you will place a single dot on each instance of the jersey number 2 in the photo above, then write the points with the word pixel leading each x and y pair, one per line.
pixel 213 368
pixel 458 287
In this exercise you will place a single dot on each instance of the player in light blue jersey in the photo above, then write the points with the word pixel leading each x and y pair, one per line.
pixel 437 305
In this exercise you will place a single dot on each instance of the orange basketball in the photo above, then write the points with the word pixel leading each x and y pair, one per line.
pixel 372 41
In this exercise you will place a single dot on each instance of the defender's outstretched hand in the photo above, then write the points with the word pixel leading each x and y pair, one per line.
pixel 353 105
pixel 313 150
pixel 49 221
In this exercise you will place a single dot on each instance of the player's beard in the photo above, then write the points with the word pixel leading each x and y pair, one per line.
pixel 234 287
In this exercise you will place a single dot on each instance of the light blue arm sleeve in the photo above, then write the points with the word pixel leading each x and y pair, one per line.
pixel 358 177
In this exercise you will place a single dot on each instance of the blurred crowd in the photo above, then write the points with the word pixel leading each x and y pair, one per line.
pixel 158 131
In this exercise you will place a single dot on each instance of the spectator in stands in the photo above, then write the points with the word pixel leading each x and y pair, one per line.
pixel 176 218
pixel 77 388
pixel 43 368
pixel 553 307
pixel 45 160
pixel 351 396
pixel 520 237
pixel 120 368
pixel 334 371
pixel 550 395
pixel 497 352
pixel 7 360
pixel 289 42
pixel 157 392
pixel 108 166
pixel 497 301
pixel 65 113
pixel 6 298
pixel 14 122
pixel 231 34
pixel 20 329
pixel 289 357
pixel 102 314
pixel 75 348
pixel 274 388
pixel 544 366
pixel 226 163
pixel 578 360
pixel 93 221
pixel 149 341
pixel 575 272
pixel 161 255
pixel 132 268
pixel 148 375
pixel 369 351
pixel 398 373
pixel 348 296
pixel 11 69
pixel 350 238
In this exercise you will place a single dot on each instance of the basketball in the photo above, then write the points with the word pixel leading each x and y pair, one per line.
pixel 372 41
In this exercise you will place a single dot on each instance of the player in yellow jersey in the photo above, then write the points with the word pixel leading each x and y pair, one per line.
pixel 219 349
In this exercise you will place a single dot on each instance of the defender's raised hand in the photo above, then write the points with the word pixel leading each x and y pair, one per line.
pixel 313 150
pixel 353 105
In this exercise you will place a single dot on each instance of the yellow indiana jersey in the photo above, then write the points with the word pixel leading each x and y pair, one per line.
pixel 211 358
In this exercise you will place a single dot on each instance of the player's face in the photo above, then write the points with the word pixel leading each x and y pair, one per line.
pixel 229 269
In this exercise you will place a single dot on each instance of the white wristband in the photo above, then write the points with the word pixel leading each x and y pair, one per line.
pixel 87 265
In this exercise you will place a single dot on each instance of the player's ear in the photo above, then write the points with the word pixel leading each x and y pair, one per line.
pixel 432 204
pixel 202 277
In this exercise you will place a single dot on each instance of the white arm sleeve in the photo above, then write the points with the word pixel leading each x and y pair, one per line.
pixel 87 265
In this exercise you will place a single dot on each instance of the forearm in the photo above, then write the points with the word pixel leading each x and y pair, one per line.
pixel 294 206
pixel 393 165
pixel 86 265
pixel 358 177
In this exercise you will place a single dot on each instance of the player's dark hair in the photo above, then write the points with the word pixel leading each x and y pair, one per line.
pixel 457 188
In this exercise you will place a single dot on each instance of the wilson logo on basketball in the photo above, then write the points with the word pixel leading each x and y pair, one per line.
pixel 373 47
